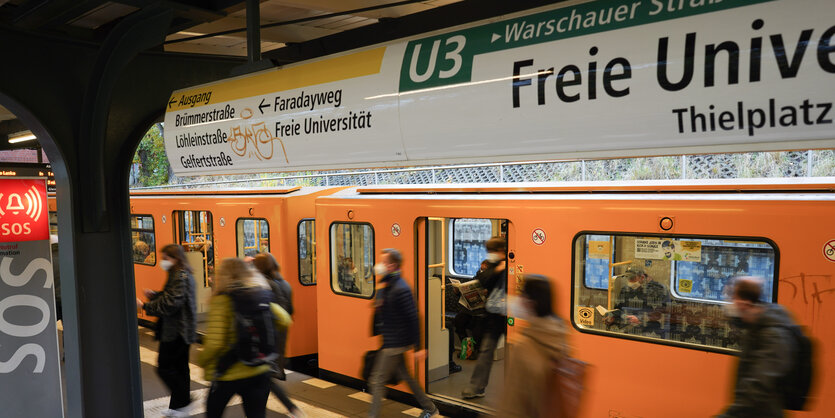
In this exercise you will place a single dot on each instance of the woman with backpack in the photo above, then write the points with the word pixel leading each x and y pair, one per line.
pixel 176 308
pixel 528 385
pixel 238 286
pixel 283 296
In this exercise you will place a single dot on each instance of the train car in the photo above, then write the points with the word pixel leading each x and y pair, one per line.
pixel 691 238
pixel 213 225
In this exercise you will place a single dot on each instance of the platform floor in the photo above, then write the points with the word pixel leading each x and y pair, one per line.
pixel 317 398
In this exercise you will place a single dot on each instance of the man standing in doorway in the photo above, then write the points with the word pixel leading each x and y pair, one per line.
pixel 493 279
pixel 398 313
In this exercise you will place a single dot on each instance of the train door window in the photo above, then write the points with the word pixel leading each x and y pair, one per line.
pixel 142 237
pixel 253 236
pixel 195 233
pixel 468 238
pixel 352 259
pixel 307 252
pixel 667 289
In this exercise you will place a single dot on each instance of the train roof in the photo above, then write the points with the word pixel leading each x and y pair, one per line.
pixel 758 185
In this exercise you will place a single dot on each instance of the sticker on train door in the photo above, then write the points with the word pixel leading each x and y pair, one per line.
pixel 685 286
pixel 829 250
pixel 538 236
pixel 395 230
pixel 585 316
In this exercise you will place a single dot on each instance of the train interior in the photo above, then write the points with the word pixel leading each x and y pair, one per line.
pixel 680 284
pixel 455 251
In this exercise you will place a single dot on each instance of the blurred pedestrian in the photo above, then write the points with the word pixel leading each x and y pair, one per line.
pixel 252 383
pixel 176 308
pixel 282 295
pixel 399 325
pixel 765 355
pixel 543 342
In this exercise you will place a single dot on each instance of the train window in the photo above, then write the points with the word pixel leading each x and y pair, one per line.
pixel 352 259
pixel 194 232
pixel 307 252
pixel 667 289
pixel 468 238
pixel 142 237
pixel 253 236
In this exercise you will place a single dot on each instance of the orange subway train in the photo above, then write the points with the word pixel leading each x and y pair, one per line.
pixel 692 237
pixel 212 225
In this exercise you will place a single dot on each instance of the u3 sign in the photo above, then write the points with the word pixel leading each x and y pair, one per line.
pixel 436 61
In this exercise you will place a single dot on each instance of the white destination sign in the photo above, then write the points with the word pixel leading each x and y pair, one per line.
pixel 633 77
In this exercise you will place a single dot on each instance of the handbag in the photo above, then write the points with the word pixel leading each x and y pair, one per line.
pixel 568 375
pixel 565 384
pixel 497 301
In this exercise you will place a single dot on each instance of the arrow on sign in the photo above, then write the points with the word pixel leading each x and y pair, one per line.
pixel 496 37
pixel 171 102
pixel 262 106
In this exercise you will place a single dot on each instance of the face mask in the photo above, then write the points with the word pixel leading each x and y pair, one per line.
pixel 380 269
pixel 494 257
pixel 166 264
pixel 634 285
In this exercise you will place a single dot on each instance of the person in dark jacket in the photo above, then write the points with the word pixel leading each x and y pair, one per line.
pixel 495 325
pixel 56 277
pixel 766 352
pixel 283 292
pixel 396 308
pixel 283 296
pixel 640 305
pixel 176 308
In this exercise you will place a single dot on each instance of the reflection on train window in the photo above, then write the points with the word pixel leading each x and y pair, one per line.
pixel 669 289
pixel 194 232
pixel 468 238
pixel 599 249
pixel 253 236
pixel 307 252
pixel 142 239
pixel 352 263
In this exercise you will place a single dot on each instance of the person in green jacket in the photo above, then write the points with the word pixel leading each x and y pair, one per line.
pixel 252 383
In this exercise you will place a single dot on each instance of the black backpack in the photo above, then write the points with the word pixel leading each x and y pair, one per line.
pixel 255 330
pixel 796 383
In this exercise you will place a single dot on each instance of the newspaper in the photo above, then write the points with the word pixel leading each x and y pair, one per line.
pixel 472 294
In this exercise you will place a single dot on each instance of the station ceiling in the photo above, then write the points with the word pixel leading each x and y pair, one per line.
pixel 292 30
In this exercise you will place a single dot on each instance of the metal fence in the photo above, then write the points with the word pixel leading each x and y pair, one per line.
pixel 812 163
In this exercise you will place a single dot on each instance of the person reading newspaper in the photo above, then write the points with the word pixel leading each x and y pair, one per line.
pixel 640 305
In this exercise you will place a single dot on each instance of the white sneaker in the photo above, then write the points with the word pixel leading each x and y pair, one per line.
pixel 296 413
pixel 176 413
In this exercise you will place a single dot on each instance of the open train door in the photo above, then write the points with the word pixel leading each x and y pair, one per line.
pixel 194 231
pixel 450 252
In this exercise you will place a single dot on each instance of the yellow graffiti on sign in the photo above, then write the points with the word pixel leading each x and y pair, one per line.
pixel 685 286
pixel 585 316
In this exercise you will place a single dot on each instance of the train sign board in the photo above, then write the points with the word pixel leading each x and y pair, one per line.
pixel 29 361
pixel 588 80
